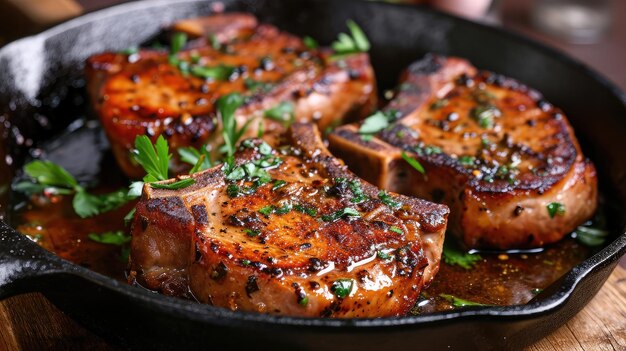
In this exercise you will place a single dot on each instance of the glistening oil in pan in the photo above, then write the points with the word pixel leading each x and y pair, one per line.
pixel 480 278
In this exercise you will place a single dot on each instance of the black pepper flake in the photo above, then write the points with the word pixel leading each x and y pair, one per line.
pixel 219 272
pixel 144 223
pixel 198 253
pixel 315 264
pixel 251 285
pixel 518 210
pixel 314 285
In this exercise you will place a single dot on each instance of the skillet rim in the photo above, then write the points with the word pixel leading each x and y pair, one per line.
pixel 202 312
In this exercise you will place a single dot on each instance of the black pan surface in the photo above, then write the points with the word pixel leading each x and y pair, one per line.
pixel 36 74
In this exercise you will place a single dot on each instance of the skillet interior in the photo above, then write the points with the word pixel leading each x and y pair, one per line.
pixel 36 70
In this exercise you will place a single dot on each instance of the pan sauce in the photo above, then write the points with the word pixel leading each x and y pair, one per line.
pixel 499 278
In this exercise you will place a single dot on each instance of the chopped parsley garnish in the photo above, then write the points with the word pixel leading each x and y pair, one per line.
pixel 219 72
pixel 267 210
pixel 383 255
pixel 396 230
pixel 347 211
pixel 311 211
pixel 466 160
pixel 376 123
pixel 342 287
pixel 283 112
pixel 354 43
pixel 413 162
pixel 130 51
pixel 428 150
pixel 484 115
pixel 199 158
pixel 50 178
pixel 304 301
pixel 359 196
pixel 310 42
pixel 454 256
pixel 458 302
pixel 117 237
pixel 226 106
pixel 278 184
pixel 251 232
pixel 175 185
pixel 257 86
pixel 373 124
pixel 387 200
pixel 179 39
pixel 555 208
pixel 536 291
pixel 591 236
pixel 286 208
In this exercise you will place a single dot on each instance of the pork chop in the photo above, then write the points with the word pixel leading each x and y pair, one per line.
pixel 163 92
pixel 287 231
pixel 504 160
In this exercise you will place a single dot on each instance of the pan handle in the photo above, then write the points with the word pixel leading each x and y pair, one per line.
pixel 24 265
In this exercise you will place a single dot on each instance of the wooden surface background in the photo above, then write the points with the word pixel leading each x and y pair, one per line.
pixel 30 322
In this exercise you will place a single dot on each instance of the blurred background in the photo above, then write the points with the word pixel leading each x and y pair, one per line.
pixel 593 31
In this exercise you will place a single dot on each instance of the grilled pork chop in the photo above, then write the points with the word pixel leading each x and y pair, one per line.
pixel 154 92
pixel 315 240
pixel 504 160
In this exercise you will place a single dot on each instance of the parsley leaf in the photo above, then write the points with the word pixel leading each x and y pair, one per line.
pixel 347 211
pixel 88 205
pixel 49 174
pixel 555 208
pixel 342 287
pixel 283 112
pixel 591 236
pixel 354 43
pixel 117 237
pixel 387 200
pixel 179 39
pixel 54 179
pixel 174 186
pixel 458 302
pixel 310 42
pixel 413 162
pixel 153 158
pixel 374 124
pixel 226 106
pixel 192 156
pixel 219 72
pixel 454 256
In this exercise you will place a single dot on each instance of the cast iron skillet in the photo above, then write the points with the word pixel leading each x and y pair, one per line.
pixel 36 70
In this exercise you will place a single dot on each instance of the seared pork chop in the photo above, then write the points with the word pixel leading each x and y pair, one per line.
pixel 160 92
pixel 504 160
pixel 287 231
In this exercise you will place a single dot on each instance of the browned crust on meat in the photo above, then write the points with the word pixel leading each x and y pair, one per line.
pixel 527 159
pixel 143 94
pixel 293 254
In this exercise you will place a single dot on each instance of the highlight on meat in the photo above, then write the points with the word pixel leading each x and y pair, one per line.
pixel 225 133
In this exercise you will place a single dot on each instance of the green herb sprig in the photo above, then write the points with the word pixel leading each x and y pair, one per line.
pixel 458 302
pixel 350 44
pixel 50 178
pixel 454 256
pixel 413 163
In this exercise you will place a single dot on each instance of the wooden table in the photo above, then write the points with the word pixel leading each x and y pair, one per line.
pixel 30 322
